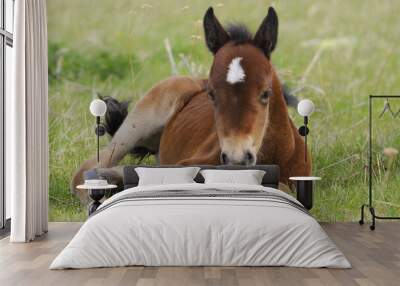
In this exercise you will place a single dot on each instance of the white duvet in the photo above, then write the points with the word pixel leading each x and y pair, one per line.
pixel 200 231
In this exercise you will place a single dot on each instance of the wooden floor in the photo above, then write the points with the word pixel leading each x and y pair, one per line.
pixel 375 257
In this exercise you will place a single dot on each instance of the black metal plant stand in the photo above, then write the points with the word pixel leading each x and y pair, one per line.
pixel 370 201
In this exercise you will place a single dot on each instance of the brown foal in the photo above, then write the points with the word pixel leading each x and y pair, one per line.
pixel 237 116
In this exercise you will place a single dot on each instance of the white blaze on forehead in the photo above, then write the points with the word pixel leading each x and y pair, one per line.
pixel 235 72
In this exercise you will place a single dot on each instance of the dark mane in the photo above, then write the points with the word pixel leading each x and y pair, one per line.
pixel 239 33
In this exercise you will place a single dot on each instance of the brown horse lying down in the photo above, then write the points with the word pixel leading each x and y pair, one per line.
pixel 236 116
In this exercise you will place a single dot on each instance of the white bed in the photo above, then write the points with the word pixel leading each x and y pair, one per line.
pixel 185 230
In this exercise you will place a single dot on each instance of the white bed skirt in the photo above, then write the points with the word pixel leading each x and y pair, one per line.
pixel 200 232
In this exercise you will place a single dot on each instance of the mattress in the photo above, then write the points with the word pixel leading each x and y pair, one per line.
pixel 201 225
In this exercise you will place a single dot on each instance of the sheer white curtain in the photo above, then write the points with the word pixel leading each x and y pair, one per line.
pixel 26 124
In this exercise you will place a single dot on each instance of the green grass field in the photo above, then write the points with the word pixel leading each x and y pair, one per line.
pixel 333 52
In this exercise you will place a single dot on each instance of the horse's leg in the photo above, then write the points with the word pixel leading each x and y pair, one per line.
pixel 207 153
pixel 205 156
pixel 143 124
pixel 198 161
pixel 113 175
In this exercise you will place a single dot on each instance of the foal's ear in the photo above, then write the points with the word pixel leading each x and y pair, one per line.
pixel 267 35
pixel 215 34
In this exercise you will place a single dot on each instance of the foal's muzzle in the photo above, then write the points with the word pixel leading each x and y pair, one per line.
pixel 247 159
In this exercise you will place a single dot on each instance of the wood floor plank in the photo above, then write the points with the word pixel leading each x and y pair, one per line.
pixel 375 257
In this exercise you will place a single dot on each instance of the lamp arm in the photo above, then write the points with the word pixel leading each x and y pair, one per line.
pixel 305 137
pixel 98 139
pixel 303 131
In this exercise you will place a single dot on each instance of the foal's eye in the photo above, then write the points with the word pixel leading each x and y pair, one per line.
pixel 211 95
pixel 265 95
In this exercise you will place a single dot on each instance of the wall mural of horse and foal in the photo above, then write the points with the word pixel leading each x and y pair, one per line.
pixel 239 115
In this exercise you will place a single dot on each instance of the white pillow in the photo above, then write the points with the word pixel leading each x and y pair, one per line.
pixel 248 177
pixel 164 176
